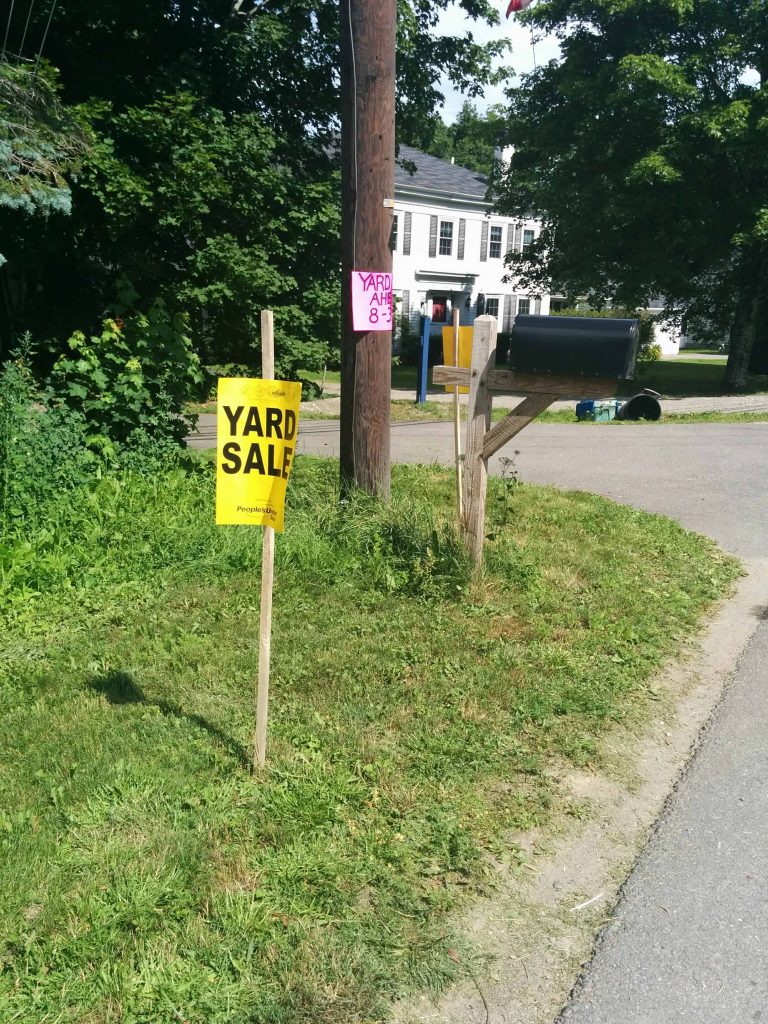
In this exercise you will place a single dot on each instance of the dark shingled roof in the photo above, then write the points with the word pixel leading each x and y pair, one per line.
pixel 436 175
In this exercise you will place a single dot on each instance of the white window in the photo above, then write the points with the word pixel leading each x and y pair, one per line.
pixel 523 307
pixel 446 237
pixel 494 245
pixel 528 237
pixel 393 236
pixel 492 307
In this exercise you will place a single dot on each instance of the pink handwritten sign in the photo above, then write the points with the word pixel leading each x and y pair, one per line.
pixel 371 301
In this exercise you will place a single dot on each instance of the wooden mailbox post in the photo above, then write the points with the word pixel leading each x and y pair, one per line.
pixel 540 390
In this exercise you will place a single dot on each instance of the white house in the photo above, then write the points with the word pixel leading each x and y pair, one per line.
pixel 449 248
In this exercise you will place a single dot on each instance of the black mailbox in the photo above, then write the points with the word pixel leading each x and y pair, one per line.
pixel 575 346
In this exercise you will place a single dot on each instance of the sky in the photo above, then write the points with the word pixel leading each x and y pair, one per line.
pixel 521 57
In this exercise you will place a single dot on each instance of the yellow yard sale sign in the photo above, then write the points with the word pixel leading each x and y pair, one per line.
pixel 257 422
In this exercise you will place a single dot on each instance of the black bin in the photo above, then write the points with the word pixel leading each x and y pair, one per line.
pixel 575 346
pixel 645 406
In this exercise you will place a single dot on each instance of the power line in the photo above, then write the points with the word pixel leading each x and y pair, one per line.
pixel 26 26
pixel 7 30
pixel 45 36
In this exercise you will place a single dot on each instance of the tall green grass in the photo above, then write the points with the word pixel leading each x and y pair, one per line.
pixel 417 720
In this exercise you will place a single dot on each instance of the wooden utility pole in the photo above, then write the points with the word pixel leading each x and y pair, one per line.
pixel 368 32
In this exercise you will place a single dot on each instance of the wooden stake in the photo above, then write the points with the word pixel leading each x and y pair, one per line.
pixel 478 423
pixel 457 421
pixel 540 390
pixel 267 573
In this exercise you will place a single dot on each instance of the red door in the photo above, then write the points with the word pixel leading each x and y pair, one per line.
pixel 439 303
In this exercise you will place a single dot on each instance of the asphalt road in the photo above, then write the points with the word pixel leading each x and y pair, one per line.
pixel 689 939
pixel 711 477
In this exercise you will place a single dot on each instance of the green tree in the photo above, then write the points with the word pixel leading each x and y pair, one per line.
pixel 39 143
pixel 213 181
pixel 202 211
pixel 472 140
pixel 41 146
pixel 476 138
pixel 643 148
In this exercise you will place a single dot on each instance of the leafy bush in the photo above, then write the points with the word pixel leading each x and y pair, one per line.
pixel 647 328
pixel 310 389
pixel 42 453
pixel 649 354
pixel 49 452
pixel 210 382
pixel 409 342
pixel 134 376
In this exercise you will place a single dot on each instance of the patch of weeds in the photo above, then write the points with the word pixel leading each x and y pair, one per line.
pixel 509 479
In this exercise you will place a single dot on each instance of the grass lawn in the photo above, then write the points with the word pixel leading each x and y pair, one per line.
pixel 409 412
pixel 417 719
pixel 679 377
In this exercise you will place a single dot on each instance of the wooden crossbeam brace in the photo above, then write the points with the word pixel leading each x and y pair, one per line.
pixel 528 383
pixel 515 421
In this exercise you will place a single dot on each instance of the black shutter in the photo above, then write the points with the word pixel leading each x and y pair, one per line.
pixel 510 238
pixel 406 234
pixel 432 236
pixel 537 307
pixel 405 307
pixel 484 242
pixel 462 231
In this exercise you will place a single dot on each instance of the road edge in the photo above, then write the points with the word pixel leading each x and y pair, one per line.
pixel 533 938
